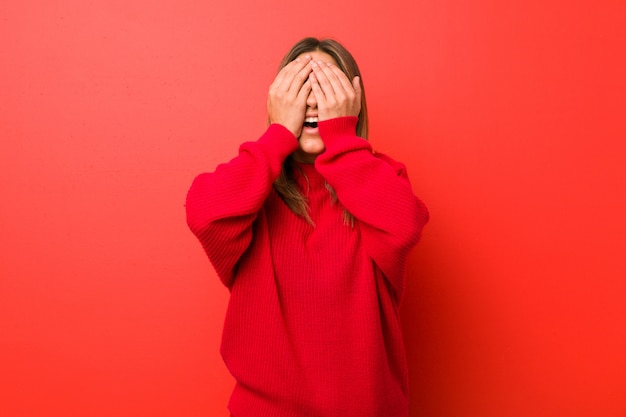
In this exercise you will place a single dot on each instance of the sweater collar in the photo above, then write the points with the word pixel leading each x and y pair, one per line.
pixel 306 175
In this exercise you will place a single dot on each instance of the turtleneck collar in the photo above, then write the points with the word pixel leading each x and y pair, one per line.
pixel 307 176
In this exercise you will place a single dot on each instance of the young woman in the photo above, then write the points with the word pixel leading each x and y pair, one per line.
pixel 310 231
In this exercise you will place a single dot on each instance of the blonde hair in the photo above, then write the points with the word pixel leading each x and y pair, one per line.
pixel 285 184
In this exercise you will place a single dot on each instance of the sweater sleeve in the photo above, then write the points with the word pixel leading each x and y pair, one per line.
pixel 375 189
pixel 221 206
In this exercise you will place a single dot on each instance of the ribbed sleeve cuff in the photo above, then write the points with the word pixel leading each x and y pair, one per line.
pixel 339 136
pixel 280 140
pixel 335 128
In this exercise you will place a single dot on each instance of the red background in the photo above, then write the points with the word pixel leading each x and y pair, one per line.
pixel 509 115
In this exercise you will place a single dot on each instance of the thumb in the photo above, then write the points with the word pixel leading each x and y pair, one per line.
pixel 356 84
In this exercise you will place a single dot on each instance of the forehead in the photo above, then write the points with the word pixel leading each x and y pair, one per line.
pixel 319 56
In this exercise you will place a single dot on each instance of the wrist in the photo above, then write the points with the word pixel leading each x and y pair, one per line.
pixel 341 126
pixel 286 127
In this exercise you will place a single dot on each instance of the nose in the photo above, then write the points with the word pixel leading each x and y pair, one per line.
pixel 311 102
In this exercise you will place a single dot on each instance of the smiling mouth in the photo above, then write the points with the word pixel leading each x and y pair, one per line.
pixel 310 122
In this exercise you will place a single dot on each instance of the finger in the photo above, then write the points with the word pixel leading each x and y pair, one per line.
pixel 317 90
pixel 339 82
pixel 285 76
pixel 342 78
pixel 281 74
pixel 304 92
pixel 337 78
pixel 298 80
pixel 322 78
pixel 356 84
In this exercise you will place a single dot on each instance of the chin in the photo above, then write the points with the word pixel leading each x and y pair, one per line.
pixel 312 146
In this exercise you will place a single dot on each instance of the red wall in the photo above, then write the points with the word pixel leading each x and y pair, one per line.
pixel 509 115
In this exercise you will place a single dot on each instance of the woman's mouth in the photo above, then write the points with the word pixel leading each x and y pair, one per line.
pixel 310 122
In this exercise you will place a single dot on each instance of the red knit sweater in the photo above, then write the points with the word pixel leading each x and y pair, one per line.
pixel 312 324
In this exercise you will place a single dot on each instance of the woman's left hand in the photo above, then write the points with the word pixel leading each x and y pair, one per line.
pixel 336 96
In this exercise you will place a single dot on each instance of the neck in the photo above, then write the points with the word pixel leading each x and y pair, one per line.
pixel 303 157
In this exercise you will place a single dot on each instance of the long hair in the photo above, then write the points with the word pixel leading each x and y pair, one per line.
pixel 285 184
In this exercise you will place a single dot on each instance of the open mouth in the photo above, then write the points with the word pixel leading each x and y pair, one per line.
pixel 310 122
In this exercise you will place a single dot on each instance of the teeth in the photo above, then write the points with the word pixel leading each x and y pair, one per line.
pixel 311 120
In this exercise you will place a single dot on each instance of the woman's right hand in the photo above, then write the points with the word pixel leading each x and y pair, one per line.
pixel 286 101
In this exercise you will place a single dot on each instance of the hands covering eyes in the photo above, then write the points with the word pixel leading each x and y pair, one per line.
pixel 334 95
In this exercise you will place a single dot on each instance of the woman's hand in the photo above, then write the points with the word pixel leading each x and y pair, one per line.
pixel 286 101
pixel 336 96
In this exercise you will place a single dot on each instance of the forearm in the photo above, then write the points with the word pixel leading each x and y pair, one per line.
pixel 374 189
pixel 239 187
pixel 221 206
